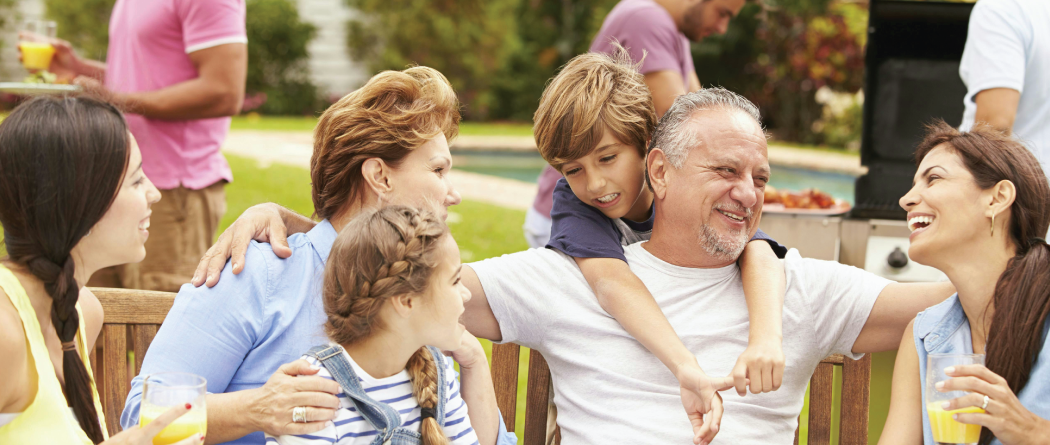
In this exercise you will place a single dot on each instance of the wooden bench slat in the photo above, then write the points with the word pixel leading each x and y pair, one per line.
pixel 820 395
pixel 536 400
pixel 115 373
pixel 856 383
pixel 505 379
pixel 131 306
pixel 141 337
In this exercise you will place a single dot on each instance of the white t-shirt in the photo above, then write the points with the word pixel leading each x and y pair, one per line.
pixel 350 428
pixel 1008 46
pixel 610 389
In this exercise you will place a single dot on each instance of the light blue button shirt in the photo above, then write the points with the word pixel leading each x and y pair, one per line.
pixel 239 332
pixel 944 329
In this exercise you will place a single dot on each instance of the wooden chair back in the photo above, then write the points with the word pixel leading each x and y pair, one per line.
pixel 853 413
pixel 131 321
pixel 853 418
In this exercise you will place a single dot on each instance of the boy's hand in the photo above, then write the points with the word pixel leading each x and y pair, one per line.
pixel 761 364
pixel 700 397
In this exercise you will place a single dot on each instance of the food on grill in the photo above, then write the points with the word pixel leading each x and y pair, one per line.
pixel 806 199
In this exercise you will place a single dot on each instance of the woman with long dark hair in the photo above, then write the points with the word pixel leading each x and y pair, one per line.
pixel 978 211
pixel 73 199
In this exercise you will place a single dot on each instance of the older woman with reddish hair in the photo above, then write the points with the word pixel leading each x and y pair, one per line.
pixel 384 143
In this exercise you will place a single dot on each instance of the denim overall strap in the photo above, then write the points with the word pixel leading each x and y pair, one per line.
pixel 381 416
pixel 442 384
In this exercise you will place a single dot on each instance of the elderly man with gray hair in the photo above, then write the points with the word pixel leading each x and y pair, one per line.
pixel 707 159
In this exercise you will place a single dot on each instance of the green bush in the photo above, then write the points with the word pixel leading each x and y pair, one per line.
pixel 781 54
pixel 548 34
pixel 277 58
pixel 84 23
pixel 467 40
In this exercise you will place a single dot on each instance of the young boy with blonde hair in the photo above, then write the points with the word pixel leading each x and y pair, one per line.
pixel 593 124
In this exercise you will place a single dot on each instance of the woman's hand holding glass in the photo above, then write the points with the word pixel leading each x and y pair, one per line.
pixel 143 435
pixel 1011 422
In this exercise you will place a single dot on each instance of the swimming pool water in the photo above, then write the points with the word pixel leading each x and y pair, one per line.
pixel 527 166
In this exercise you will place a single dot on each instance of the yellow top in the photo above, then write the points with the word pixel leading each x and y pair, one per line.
pixel 48 419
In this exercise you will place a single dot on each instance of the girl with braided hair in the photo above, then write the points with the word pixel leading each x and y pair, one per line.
pixel 393 297
pixel 73 199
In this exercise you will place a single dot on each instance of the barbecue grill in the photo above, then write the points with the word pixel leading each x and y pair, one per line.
pixel 911 78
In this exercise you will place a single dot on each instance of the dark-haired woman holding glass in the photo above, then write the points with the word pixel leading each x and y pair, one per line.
pixel 978 211
pixel 73 199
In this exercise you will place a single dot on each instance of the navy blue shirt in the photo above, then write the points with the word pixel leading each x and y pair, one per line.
pixel 582 231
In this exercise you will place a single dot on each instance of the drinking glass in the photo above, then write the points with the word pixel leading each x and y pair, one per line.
pixel 164 390
pixel 947 431
pixel 37 55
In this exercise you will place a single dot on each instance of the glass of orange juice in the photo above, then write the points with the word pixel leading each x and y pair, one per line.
pixel 164 390
pixel 36 55
pixel 945 429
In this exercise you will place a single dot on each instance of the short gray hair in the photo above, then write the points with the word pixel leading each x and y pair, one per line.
pixel 675 135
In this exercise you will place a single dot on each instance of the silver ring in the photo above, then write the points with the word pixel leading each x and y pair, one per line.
pixel 985 405
pixel 299 414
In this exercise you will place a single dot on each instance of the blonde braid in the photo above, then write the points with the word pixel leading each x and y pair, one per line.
pixel 422 369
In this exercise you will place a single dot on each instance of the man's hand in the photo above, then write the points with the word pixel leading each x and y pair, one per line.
pixel 261 222
pixel 65 64
pixel 294 384
pixel 761 364
pixel 92 86
pixel 700 397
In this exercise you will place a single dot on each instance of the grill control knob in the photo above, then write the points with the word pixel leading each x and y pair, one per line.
pixel 897 258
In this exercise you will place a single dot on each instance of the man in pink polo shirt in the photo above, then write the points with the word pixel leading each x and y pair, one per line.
pixel 178 67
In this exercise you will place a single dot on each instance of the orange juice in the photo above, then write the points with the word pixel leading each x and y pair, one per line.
pixel 36 55
pixel 947 431
pixel 193 422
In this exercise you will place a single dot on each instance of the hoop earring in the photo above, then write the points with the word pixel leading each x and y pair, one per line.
pixel 993 225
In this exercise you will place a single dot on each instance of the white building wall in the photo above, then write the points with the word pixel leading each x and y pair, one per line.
pixel 331 68
pixel 10 68
pixel 330 65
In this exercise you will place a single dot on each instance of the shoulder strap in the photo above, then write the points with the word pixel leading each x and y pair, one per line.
pixel 381 416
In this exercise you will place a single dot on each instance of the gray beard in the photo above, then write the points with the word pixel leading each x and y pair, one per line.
pixel 723 247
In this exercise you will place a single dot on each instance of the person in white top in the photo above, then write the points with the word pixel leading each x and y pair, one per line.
pixel 1006 69
pixel 391 288
pixel 706 168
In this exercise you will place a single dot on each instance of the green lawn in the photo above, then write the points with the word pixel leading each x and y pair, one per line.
pixel 306 123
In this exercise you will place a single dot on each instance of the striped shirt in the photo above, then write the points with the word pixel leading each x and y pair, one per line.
pixel 349 427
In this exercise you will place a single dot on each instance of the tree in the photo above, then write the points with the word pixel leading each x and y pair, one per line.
pixel 464 39
pixel 84 23
pixel 780 54
pixel 278 56
pixel 549 33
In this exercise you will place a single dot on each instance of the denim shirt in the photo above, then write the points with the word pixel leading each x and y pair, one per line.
pixel 239 332
pixel 944 329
